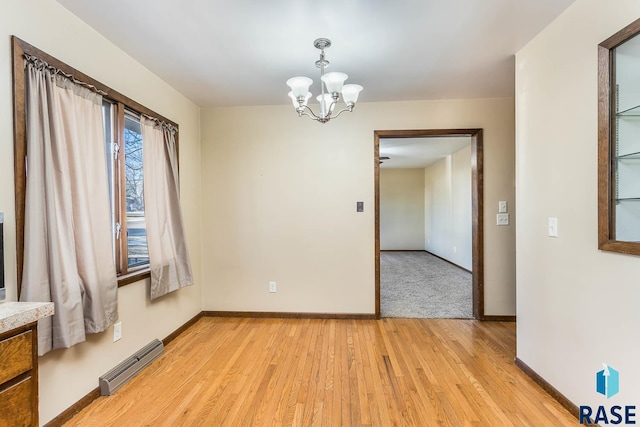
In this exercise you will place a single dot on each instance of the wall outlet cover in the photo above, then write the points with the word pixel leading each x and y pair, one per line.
pixel 117 331
pixel 502 219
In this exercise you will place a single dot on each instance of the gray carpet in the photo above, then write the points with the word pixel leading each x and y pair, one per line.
pixel 419 285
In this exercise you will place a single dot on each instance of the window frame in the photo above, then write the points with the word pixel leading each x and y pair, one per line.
pixel 122 217
pixel 606 143
pixel 121 244
pixel 120 101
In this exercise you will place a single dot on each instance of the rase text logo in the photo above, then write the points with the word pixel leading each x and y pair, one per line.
pixel 608 384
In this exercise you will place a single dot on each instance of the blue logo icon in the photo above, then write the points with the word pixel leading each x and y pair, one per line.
pixel 608 381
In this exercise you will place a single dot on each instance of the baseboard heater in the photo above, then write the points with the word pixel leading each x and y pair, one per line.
pixel 118 376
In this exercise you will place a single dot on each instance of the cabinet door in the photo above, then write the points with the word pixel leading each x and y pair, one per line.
pixel 16 356
pixel 16 405
pixel 619 141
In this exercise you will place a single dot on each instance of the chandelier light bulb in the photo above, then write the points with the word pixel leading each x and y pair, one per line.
pixel 334 81
pixel 299 85
pixel 296 104
pixel 350 93
pixel 325 102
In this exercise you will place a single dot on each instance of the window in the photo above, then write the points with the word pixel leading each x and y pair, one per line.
pixel 124 148
pixel 137 251
pixel 126 188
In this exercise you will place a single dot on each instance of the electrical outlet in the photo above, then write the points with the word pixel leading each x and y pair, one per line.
pixel 273 287
pixel 117 331
pixel 502 219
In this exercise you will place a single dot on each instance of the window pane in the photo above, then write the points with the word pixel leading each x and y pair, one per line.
pixel 138 252
pixel 107 118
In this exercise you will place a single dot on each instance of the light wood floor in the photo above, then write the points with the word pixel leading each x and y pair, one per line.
pixel 263 372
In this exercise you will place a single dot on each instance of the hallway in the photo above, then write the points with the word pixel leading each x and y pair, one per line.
pixel 417 284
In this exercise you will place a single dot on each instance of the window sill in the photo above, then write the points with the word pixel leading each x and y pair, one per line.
pixel 135 276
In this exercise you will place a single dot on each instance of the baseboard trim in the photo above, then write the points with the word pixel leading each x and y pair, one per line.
pixel 489 318
pixel 173 335
pixel 452 263
pixel 289 315
pixel 74 409
pixel 553 392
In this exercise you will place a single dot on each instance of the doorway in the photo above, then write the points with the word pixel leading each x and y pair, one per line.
pixel 476 205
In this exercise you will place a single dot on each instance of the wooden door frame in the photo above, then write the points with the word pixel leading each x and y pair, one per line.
pixel 477 216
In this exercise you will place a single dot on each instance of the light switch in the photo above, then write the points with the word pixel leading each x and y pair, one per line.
pixel 502 219
pixel 553 227
pixel 502 206
pixel 359 206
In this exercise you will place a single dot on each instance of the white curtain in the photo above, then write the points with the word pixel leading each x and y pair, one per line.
pixel 168 255
pixel 67 247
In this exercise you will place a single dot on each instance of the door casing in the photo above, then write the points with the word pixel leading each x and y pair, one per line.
pixel 477 217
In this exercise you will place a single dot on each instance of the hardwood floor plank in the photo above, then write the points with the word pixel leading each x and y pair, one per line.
pixel 326 372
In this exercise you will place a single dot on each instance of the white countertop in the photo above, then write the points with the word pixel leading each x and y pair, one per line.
pixel 16 314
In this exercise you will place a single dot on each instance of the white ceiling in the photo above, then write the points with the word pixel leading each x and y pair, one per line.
pixel 241 52
pixel 419 152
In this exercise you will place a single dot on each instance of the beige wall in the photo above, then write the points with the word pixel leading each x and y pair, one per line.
pixel 448 221
pixel 276 195
pixel 67 375
pixel 402 209
pixel 280 203
pixel 577 306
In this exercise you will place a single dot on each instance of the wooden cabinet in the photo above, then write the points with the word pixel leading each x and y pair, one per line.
pixel 19 377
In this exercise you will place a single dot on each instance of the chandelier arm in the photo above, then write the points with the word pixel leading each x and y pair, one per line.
pixel 308 115
pixel 349 109
pixel 313 115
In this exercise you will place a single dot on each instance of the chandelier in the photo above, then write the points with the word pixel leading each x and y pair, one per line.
pixel 331 87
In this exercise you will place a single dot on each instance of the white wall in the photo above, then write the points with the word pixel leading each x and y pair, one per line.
pixel 281 203
pixel 401 209
pixel 577 306
pixel 448 220
pixel 68 375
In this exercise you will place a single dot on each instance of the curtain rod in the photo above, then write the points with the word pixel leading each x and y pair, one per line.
pixel 161 123
pixel 39 63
